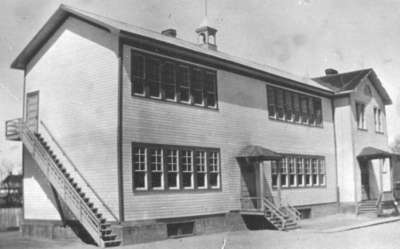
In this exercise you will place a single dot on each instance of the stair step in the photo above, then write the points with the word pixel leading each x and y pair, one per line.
pixel 109 237
pixel 112 243
pixel 104 226
pixel 106 231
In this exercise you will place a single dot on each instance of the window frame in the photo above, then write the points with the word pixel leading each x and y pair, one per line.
pixel 360 116
pixel 294 107
pixel 178 86
pixel 179 149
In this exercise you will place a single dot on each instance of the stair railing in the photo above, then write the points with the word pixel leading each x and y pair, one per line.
pixel 292 211
pixel 77 171
pixel 269 206
pixel 66 190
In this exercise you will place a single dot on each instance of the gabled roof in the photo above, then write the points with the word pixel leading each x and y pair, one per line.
pixel 12 179
pixel 345 82
pixel 63 12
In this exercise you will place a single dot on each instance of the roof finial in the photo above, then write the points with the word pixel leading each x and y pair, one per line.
pixel 205 8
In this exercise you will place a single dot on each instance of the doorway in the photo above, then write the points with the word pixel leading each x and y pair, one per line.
pixel 32 111
pixel 251 193
pixel 365 193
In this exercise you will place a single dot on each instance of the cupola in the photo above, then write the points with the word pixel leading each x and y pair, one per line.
pixel 207 35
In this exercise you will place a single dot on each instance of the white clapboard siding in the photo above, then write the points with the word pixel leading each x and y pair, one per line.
pixel 242 119
pixel 76 74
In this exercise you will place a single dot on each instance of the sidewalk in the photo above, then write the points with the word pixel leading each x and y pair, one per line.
pixel 342 222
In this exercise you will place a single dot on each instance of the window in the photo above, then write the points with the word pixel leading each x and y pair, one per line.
pixel 274 173
pixel 213 164
pixel 378 120
pixel 200 162
pixel 367 91
pixel 307 171
pixel 211 89
pixel 166 79
pixel 314 171
pixel 159 167
pixel 156 168
pixel 284 170
pixel 292 171
pixel 321 172
pixel 171 161
pixel 298 171
pixel 138 78
pixel 271 101
pixel 153 76
pixel 139 168
pixel 360 115
pixel 187 168
pixel 293 107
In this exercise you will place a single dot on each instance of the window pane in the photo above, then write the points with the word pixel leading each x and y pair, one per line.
pixel 304 109
pixel 311 114
pixel 271 101
pixel 211 99
pixel 156 168
pixel 171 161
pixel 187 168
pixel 296 107
pixel 153 69
pixel 168 80
pixel 137 65
pixel 197 86
pixel 169 92
pixel 288 105
pixel 200 164
pixel 318 111
pixel 279 103
pixel 139 168
pixel 210 80
pixel 213 168
pixel 183 83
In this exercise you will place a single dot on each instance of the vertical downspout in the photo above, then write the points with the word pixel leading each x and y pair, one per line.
pixel 119 134
pixel 336 159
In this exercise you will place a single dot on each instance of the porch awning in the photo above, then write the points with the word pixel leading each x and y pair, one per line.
pixel 373 153
pixel 258 152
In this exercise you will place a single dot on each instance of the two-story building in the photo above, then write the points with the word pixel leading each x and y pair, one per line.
pixel 136 136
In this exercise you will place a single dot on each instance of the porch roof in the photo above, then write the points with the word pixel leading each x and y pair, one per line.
pixel 258 152
pixel 373 153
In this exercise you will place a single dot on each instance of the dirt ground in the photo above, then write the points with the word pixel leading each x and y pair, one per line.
pixel 383 236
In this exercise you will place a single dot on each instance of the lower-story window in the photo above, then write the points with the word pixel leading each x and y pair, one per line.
pixel 160 167
pixel 297 171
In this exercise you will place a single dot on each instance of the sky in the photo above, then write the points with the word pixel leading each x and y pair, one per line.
pixel 302 37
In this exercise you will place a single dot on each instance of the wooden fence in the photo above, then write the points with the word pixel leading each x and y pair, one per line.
pixel 10 218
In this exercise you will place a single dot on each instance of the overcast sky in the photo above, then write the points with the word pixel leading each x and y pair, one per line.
pixel 302 37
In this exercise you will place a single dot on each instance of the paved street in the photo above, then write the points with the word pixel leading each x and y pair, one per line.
pixel 375 237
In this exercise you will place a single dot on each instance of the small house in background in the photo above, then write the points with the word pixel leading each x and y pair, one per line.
pixel 138 136
pixel 11 190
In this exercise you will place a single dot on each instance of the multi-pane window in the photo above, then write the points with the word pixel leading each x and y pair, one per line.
pixel 139 168
pixel 156 168
pixel 159 167
pixel 171 163
pixel 360 115
pixel 187 168
pixel 213 167
pixel 201 170
pixel 161 78
pixel 378 120
pixel 293 107
pixel 297 171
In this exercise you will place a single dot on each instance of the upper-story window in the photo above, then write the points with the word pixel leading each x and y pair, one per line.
pixel 293 107
pixel 360 115
pixel 166 79
pixel 378 120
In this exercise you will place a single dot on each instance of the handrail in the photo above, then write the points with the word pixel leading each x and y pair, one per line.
pixel 74 197
pixel 77 171
pixel 294 211
pixel 268 204
pixel 378 201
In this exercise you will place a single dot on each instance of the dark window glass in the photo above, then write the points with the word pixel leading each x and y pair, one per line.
pixel 304 109
pixel 271 101
pixel 168 80
pixel 197 86
pixel 288 105
pixel 296 107
pixel 137 73
pixel 183 82
pixel 279 103
pixel 153 76
pixel 210 89
pixel 318 111
pixel 311 113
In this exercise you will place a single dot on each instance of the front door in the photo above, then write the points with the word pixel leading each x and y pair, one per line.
pixel 32 111
pixel 365 195
pixel 251 188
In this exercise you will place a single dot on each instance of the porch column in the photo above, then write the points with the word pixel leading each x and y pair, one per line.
pixel 262 194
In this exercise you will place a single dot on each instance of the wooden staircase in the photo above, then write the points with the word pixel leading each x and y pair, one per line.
pixel 67 188
pixel 284 218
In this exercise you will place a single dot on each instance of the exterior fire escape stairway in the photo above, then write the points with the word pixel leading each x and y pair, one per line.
pixel 284 218
pixel 65 185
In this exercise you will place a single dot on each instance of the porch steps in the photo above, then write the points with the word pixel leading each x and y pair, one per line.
pixel 367 208
pixel 284 218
